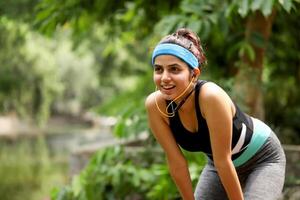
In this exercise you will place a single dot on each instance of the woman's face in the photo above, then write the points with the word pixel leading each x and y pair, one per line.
pixel 171 76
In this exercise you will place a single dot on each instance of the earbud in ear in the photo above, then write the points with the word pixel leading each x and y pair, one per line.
pixel 196 72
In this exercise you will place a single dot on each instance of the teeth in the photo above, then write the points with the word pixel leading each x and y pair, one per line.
pixel 167 87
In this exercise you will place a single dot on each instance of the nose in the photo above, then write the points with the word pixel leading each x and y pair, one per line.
pixel 165 76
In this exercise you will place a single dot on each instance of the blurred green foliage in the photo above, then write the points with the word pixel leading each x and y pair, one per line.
pixel 122 16
pixel 282 77
pixel 26 86
pixel 19 10
pixel 125 175
pixel 39 75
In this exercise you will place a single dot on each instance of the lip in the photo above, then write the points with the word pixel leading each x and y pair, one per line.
pixel 167 89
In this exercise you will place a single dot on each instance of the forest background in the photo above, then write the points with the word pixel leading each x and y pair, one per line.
pixel 76 56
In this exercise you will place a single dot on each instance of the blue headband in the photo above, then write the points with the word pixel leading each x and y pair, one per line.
pixel 175 50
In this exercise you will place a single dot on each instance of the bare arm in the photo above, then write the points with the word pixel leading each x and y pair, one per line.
pixel 178 166
pixel 218 113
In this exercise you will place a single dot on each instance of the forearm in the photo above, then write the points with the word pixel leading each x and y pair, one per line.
pixel 230 181
pixel 181 177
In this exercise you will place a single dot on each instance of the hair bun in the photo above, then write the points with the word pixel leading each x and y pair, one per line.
pixel 188 34
pixel 189 40
pixel 182 31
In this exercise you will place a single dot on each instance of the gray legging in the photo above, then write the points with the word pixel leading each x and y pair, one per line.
pixel 262 177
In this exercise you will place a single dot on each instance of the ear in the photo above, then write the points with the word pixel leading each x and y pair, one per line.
pixel 196 72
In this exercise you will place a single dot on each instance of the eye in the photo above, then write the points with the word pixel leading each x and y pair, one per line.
pixel 158 69
pixel 174 69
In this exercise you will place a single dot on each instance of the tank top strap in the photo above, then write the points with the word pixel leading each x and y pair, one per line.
pixel 199 84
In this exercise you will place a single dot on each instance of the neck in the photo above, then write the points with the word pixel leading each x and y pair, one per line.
pixel 182 101
pixel 188 104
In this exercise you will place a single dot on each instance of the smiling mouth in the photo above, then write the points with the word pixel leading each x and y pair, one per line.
pixel 167 87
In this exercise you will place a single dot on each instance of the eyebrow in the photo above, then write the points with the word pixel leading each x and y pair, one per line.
pixel 171 65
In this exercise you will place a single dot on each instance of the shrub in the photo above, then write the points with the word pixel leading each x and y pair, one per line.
pixel 114 174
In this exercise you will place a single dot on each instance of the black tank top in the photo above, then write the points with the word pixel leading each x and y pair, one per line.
pixel 200 141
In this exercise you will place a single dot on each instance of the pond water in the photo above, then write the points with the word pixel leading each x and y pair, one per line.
pixel 38 161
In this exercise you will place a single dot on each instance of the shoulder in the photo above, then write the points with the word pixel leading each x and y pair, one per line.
pixel 155 99
pixel 152 102
pixel 212 96
pixel 211 91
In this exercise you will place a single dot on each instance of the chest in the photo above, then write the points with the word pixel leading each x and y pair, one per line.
pixel 189 121
pixel 191 136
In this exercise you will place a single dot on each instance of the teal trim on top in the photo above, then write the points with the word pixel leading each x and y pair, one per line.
pixel 261 132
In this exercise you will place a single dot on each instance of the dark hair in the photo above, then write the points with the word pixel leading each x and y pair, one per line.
pixel 189 40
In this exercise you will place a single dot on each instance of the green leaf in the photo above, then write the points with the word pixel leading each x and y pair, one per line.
pixel 213 18
pixel 43 15
pixel 267 7
pixel 54 192
pixel 167 24
pixel 194 8
pixel 205 29
pixel 230 10
pixel 286 4
pixel 247 50
pixel 256 5
pixel 119 129
pixel 243 7
pixel 194 25
pixel 76 186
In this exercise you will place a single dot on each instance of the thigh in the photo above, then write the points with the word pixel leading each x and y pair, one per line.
pixel 265 182
pixel 266 179
pixel 209 186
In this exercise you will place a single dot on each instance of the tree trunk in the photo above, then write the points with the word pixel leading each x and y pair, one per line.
pixel 249 78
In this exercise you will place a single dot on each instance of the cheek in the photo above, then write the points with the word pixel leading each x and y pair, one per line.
pixel 184 80
pixel 156 79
